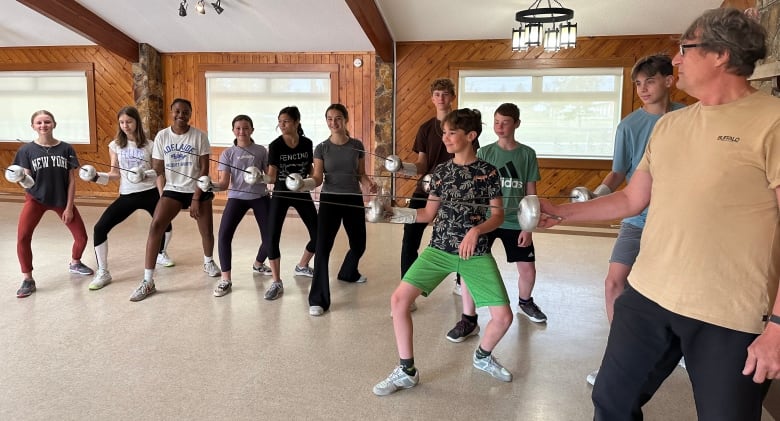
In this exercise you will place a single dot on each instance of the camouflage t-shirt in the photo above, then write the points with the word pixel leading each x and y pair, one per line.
pixel 460 188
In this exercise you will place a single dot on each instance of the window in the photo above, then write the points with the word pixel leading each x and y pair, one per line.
pixel 564 112
pixel 65 93
pixel 261 95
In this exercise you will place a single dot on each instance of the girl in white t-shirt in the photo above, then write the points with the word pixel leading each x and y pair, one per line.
pixel 131 150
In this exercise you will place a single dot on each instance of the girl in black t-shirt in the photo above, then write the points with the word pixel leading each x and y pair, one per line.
pixel 53 165
pixel 292 152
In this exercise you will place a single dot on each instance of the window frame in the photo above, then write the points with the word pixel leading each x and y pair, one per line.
pixel 89 71
pixel 202 69
pixel 538 64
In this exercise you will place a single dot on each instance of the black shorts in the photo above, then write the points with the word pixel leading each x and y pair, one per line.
pixel 186 198
pixel 514 253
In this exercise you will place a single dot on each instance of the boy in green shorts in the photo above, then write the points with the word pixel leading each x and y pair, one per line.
pixel 462 190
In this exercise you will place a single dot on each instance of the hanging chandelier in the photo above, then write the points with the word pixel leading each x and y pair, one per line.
pixel 538 27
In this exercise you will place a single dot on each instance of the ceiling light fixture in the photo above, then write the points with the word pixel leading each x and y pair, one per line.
pixel 218 7
pixel 200 7
pixel 533 33
pixel 183 8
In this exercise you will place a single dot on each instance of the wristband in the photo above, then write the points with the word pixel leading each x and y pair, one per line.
pixel 774 319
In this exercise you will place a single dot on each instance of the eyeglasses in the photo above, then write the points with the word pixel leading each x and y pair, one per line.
pixel 684 46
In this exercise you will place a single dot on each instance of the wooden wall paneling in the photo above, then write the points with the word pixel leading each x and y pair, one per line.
pixel 418 63
pixel 112 89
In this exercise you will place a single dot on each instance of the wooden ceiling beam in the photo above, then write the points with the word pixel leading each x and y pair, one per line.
pixel 81 20
pixel 370 19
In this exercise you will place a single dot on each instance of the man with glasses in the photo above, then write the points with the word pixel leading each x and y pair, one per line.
pixel 705 283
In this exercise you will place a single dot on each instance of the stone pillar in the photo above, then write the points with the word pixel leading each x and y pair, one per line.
pixel 769 16
pixel 383 119
pixel 148 89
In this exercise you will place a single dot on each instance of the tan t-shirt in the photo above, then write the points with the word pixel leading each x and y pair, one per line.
pixel 711 246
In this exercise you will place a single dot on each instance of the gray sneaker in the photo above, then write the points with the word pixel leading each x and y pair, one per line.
pixel 395 381
pixel 263 269
pixel 223 287
pixel 144 290
pixel 274 291
pixel 212 269
pixel 304 271
pixel 491 366
pixel 102 278
pixel 27 288
pixel 532 311
pixel 80 268
pixel 462 330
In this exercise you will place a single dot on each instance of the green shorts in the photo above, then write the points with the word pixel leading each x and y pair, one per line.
pixel 481 273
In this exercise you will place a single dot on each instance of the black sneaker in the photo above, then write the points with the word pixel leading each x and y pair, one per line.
pixel 532 311
pixel 462 330
pixel 27 288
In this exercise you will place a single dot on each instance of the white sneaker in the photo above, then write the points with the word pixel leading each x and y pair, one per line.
pixel 316 311
pixel 102 278
pixel 682 363
pixel 212 269
pixel 491 366
pixel 395 381
pixel 591 378
pixel 456 289
pixel 164 260
pixel 145 289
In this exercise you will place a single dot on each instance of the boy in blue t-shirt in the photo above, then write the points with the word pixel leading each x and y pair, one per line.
pixel 462 190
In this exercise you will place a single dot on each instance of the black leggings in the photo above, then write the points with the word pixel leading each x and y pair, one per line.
pixel 123 207
pixel 332 215
pixel 280 203
pixel 234 212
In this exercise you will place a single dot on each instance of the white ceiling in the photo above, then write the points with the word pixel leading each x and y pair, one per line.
pixel 328 25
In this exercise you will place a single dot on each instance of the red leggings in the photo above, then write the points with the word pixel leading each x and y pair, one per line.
pixel 31 215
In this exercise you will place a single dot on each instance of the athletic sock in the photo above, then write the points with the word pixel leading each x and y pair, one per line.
pixel 522 301
pixel 481 353
pixel 149 275
pixel 101 255
pixel 407 365
pixel 207 259
pixel 471 319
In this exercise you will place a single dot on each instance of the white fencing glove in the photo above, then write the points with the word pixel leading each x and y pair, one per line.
pixel 253 175
pixel 602 190
pixel 205 184
pixel 295 182
pixel 403 216
pixel 14 173
pixel 394 165
pixel 27 182
pixel 89 173
pixel 138 174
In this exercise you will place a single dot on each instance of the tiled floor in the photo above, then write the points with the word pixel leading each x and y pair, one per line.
pixel 70 353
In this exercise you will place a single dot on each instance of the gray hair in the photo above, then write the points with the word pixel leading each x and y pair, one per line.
pixel 729 30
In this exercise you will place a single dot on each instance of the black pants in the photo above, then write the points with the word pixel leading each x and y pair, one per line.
pixel 235 209
pixel 645 344
pixel 329 220
pixel 413 234
pixel 122 208
pixel 280 203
